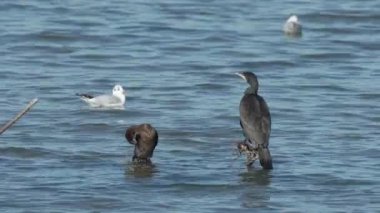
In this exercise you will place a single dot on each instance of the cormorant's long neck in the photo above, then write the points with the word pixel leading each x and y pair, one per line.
pixel 251 91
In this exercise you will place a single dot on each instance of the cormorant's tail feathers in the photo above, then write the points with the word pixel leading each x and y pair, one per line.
pixel 265 158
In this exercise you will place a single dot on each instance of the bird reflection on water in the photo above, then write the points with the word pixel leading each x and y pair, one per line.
pixel 139 170
pixel 257 190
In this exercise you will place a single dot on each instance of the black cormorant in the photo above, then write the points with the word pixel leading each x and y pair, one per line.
pixel 255 120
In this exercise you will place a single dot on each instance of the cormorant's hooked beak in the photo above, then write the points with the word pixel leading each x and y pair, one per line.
pixel 241 75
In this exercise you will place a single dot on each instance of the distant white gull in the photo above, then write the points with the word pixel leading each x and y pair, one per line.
pixel 116 100
pixel 292 26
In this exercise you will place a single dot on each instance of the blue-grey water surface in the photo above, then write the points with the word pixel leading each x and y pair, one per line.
pixel 177 59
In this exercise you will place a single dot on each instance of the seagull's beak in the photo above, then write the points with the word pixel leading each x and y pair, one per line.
pixel 241 76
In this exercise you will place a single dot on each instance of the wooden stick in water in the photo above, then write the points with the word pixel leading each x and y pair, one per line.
pixel 18 116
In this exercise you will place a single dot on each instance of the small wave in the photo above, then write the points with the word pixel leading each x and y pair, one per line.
pixel 369 96
pixel 212 86
pixel 271 63
pixel 351 16
pixel 185 187
pixel 335 88
pixel 329 56
pixel 24 152
pixel 56 35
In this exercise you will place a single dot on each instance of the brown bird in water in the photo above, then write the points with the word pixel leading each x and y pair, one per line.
pixel 145 139
pixel 255 120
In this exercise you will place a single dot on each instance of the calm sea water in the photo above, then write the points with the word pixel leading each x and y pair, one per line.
pixel 176 59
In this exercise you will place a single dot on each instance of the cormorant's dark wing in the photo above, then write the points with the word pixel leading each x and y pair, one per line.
pixel 145 139
pixel 148 139
pixel 255 118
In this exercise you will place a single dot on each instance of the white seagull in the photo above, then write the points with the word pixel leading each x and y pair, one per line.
pixel 292 26
pixel 116 100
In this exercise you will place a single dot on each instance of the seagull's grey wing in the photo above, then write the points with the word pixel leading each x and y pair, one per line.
pixel 106 100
